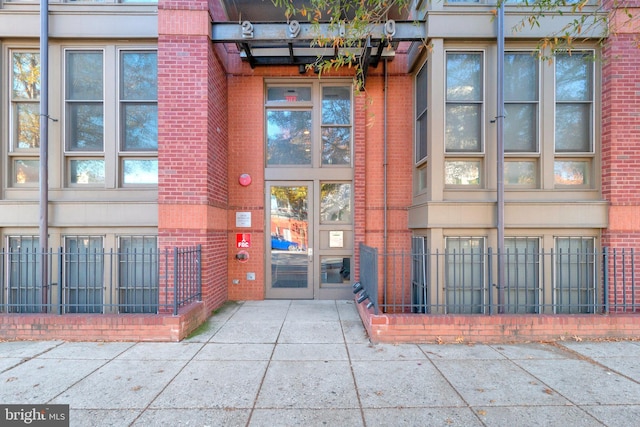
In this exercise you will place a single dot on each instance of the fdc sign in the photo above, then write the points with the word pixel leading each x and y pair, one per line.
pixel 243 240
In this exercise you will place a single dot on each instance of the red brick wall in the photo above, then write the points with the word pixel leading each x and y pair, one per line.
pixel 399 163
pixel 246 155
pixel 621 136
pixel 193 141
pixel 103 327
pixel 465 329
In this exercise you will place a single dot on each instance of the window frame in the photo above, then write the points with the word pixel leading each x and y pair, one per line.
pixel 589 156
pixel 124 155
pixel 71 155
pixel 15 153
pixel 466 156
pixel 314 106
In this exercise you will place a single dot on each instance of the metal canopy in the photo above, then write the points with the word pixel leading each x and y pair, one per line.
pixel 256 28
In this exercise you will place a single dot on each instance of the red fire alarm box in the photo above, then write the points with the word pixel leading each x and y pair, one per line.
pixel 243 240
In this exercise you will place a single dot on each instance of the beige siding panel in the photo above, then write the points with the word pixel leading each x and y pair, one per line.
pixel 517 215
pixel 112 24
pixel 81 214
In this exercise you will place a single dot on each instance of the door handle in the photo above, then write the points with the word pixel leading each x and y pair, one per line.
pixel 310 254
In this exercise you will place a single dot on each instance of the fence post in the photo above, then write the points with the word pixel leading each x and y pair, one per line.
pixel 605 279
pixel 60 278
pixel 175 281
pixel 490 278
pixel 199 269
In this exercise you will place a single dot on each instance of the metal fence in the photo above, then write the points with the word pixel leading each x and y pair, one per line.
pixel 99 281
pixel 465 282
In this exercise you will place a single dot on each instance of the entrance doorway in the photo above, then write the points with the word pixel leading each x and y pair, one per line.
pixel 290 254
pixel 308 257
pixel 308 189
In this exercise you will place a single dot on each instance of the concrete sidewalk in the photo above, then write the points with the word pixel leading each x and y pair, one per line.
pixel 309 363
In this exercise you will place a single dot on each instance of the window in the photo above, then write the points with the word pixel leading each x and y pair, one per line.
pixel 522 275
pixel 419 275
pixel 574 145
pixel 84 274
pixel 336 125
pixel 575 271
pixel 139 117
pixel 464 275
pixel 25 118
pixel 90 142
pixel 521 124
pixel 138 274
pixel 295 138
pixel 464 98
pixel 421 136
pixel 335 203
pixel 421 114
pixel 463 116
pixel 25 277
pixel 85 117
pixel 335 269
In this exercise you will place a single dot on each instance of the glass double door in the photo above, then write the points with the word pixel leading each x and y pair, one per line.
pixel 299 265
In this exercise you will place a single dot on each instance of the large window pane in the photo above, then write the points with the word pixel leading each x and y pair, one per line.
pixel 522 275
pixel 335 202
pixel 520 77
pixel 136 171
pixel 464 77
pixel 84 274
pixel 25 89
pixel 84 76
pixel 138 274
pixel 462 132
pixel 465 172
pixel 336 105
pixel 86 171
pixel 521 102
pixel 575 281
pixel 86 123
pixel 24 278
pixel 520 128
pixel 84 92
pixel 27 125
pixel 574 101
pixel 573 128
pixel 139 77
pixel 288 137
pixel 26 76
pixel 336 145
pixel 421 114
pixel 140 127
pixel 574 77
pixel 464 274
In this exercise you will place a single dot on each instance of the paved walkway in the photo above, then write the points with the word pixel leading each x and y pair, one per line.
pixel 309 363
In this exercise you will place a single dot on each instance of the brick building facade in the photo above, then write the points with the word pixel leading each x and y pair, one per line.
pixel 408 161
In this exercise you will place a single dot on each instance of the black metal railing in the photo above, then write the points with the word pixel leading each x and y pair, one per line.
pixel 535 282
pixel 99 281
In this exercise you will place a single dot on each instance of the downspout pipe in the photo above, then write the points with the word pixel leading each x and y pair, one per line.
pixel 44 144
pixel 384 171
pixel 500 152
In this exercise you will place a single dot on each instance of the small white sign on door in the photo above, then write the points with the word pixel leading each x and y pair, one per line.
pixel 336 239
pixel 243 219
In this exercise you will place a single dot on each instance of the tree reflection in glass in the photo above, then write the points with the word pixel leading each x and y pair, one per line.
pixel 335 202
pixel 288 137
pixel 25 94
